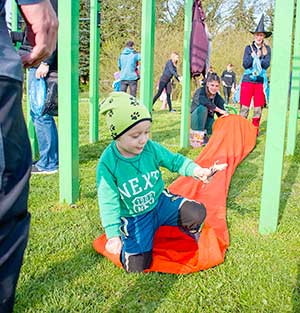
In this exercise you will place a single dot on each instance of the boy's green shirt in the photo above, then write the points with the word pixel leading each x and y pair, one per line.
pixel 131 186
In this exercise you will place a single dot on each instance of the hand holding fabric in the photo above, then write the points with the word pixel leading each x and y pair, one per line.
pixel 114 245
pixel 201 173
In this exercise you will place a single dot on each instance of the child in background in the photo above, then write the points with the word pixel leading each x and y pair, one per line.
pixel 228 78
pixel 117 82
pixel 132 198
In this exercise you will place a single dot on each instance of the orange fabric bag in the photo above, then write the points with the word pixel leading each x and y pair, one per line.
pixel 175 252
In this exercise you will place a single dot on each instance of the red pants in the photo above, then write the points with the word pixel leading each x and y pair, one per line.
pixel 255 90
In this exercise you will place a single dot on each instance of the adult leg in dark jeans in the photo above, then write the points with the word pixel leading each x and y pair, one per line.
pixel 124 85
pixel 168 92
pixel 227 91
pixel 15 168
pixel 161 86
pixel 132 87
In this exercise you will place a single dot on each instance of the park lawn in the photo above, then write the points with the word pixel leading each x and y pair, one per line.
pixel 62 272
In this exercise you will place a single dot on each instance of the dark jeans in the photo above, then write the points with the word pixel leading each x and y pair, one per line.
pixel 227 92
pixel 15 168
pixel 132 86
pixel 46 131
pixel 164 85
pixel 201 120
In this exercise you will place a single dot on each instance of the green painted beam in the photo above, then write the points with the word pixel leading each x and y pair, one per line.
pixel 295 86
pixel 186 81
pixel 68 52
pixel 147 52
pixel 273 162
pixel 94 69
pixel 14 16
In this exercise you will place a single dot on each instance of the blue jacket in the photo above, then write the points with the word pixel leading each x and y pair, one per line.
pixel 248 61
pixel 128 64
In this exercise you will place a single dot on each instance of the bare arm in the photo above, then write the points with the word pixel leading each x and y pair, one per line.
pixel 42 26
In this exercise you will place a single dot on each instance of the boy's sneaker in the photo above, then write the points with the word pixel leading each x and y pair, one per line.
pixel 172 111
pixel 36 170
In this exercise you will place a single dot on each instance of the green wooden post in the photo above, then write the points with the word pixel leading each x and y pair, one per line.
pixel 280 68
pixel 94 68
pixel 147 52
pixel 68 51
pixel 294 98
pixel 186 82
pixel 14 16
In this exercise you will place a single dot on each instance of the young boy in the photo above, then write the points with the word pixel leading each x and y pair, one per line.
pixel 132 199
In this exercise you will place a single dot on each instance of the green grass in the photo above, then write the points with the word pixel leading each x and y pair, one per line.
pixel 62 273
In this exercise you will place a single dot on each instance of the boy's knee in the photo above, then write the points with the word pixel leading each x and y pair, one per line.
pixel 137 263
pixel 191 215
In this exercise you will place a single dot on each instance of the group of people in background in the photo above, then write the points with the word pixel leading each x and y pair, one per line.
pixel 253 88
pixel 128 75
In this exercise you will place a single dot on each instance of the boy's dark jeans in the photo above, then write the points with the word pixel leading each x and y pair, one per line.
pixel 15 168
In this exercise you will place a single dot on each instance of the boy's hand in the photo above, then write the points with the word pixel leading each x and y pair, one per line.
pixel 201 173
pixel 214 169
pixel 205 174
pixel 114 245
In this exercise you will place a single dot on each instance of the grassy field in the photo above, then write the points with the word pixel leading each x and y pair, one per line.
pixel 62 273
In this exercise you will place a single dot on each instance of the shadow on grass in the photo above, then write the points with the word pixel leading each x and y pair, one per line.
pixel 92 151
pixel 144 293
pixel 59 274
pixel 166 133
pixel 288 182
pixel 296 293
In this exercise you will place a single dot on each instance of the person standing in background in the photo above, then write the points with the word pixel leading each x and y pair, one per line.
pixel 228 78
pixel 15 153
pixel 170 70
pixel 128 63
pixel 256 60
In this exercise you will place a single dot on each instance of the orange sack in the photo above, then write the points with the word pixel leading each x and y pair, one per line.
pixel 175 252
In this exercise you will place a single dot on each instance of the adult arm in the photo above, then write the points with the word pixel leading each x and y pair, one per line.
pixel 219 109
pixel 265 59
pixel 119 63
pixel 222 78
pixel 42 25
pixel 247 58
pixel 43 68
pixel 233 80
